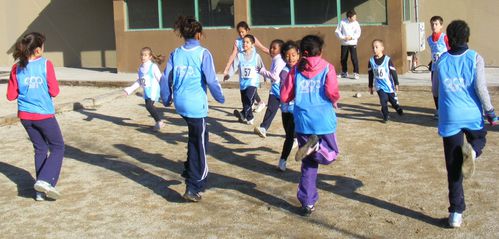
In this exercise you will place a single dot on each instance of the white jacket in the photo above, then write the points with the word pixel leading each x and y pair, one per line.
pixel 346 28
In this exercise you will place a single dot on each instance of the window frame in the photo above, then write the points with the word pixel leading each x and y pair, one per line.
pixel 160 19
pixel 293 23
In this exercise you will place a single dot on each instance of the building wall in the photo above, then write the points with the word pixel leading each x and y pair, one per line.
pixel 480 15
pixel 220 41
pixel 79 32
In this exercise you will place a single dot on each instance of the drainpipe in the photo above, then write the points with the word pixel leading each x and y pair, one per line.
pixel 416 8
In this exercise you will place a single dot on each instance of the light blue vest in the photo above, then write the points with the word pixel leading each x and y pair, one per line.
pixel 248 75
pixel 313 112
pixel 34 95
pixel 287 107
pixel 382 78
pixel 239 44
pixel 437 48
pixel 459 105
pixel 150 84
pixel 189 87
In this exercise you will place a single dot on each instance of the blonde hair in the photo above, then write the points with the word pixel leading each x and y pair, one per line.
pixel 158 59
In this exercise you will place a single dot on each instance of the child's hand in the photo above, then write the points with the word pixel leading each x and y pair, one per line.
pixel 226 77
pixel 371 90
pixel 396 88
pixel 491 117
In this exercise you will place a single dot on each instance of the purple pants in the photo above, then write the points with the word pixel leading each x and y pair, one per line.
pixel 46 136
pixel 328 152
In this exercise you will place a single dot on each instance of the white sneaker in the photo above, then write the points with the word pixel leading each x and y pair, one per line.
pixel 39 196
pixel 250 122
pixel 260 107
pixel 282 165
pixel 469 156
pixel 49 190
pixel 356 76
pixel 295 143
pixel 262 132
pixel 159 125
pixel 455 219
pixel 308 148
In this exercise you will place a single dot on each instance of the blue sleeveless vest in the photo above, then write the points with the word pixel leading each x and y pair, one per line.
pixel 34 96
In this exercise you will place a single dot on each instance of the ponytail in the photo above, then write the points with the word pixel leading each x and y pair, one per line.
pixel 26 46
pixel 187 27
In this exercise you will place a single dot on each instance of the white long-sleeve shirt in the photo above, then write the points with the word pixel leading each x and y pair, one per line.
pixel 144 68
pixel 346 28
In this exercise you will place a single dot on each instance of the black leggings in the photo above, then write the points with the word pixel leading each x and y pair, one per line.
pixel 152 110
pixel 288 123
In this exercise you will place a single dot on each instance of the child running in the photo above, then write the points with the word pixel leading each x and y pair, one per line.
pixel 313 85
pixel 274 75
pixel 149 77
pixel 189 70
pixel 247 63
pixel 290 52
pixel 243 29
pixel 462 95
pixel 33 83
pixel 439 44
pixel 383 74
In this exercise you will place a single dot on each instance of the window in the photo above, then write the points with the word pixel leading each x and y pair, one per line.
pixel 409 10
pixel 142 14
pixel 162 14
pixel 368 11
pixel 317 12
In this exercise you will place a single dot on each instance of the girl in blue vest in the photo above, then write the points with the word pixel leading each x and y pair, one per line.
pixel 248 63
pixel 243 29
pixel 462 97
pixel 291 54
pixel 438 43
pixel 313 86
pixel 384 76
pixel 149 77
pixel 32 82
pixel 188 74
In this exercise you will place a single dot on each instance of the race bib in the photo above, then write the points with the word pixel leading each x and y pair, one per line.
pixel 143 82
pixel 435 57
pixel 380 72
pixel 248 72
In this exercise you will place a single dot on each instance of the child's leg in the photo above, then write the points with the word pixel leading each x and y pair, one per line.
pixel 392 97
pixel 257 97
pixel 453 163
pixel 344 58
pixel 383 100
pixel 272 108
pixel 152 110
pixel 307 189
pixel 248 100
pixel 46 136
pixel 289 127
pixel 355 61
pixel 477 139
pixel 196 169
pixel 328 149
pixel 434 85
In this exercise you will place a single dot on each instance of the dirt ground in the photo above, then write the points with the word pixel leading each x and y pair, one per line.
pixel 121 179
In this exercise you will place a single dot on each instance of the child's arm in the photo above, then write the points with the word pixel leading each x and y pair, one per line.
pixel 12 87
pixel 231 59
pixel 129 90
pixel 339 32
pixel 156 72
pixel 233 68
pixel 356 32
pixel 331 86
pixel 261 47
pixel 273 74
pixel 393 73
pixel 288 87
pixel 210 76
pixel 482 91
pixel 165 84
pixel 51 80
pixel 371 77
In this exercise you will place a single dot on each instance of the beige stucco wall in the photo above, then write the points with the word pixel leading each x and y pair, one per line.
pixel 220 41
pixel 482 17
pixel 79 32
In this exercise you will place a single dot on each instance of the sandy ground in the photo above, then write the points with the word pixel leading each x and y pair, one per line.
pixel 121 179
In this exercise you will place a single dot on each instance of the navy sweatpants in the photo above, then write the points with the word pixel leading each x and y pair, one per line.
pixel 454 162
pixel 196 166
pixel 271 111
pixel 288 123
pixel 248 98
pixel 46 137
pixel 152 110
pixel 383 100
